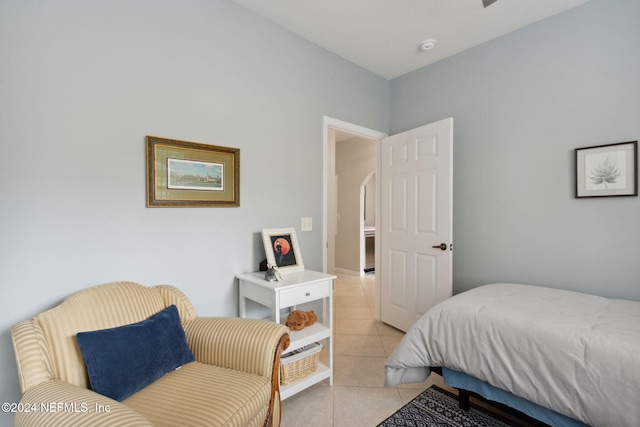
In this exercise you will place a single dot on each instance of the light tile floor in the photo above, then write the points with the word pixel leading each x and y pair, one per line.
pixel 358 396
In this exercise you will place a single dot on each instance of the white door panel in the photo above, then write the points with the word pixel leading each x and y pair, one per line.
pixel 416 210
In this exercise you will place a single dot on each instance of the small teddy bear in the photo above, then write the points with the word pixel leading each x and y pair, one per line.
pixel 313 318
pixel 298 319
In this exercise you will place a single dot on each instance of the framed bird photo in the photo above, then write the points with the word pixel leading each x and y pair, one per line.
pixel 607 170
pixel 282 249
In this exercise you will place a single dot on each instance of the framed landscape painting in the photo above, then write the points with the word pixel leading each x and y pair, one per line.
pixel 607 170
pixel 190 174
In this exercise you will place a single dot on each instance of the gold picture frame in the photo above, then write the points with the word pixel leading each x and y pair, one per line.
pixel 190 174
pixel 282 249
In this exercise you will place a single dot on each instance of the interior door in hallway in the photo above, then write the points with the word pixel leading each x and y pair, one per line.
pixel 415 222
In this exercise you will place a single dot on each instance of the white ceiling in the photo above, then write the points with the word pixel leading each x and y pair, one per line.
pixel 384 36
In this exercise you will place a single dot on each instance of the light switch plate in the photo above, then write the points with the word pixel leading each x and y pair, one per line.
pixel 306 223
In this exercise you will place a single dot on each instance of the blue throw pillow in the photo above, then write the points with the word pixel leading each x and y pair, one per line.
pixel 123 360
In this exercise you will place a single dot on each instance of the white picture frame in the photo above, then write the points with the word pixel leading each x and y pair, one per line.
pixel 282 249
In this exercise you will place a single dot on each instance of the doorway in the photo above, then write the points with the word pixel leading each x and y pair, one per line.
pixel 424 236
pixel 335 132
pixel 353 142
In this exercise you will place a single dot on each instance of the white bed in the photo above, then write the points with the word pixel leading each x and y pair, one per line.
pixel 573 353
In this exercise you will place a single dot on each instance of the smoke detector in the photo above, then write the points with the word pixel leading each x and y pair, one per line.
pixel 428 44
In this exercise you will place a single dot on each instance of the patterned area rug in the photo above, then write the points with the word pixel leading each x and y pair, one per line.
pixel 436 407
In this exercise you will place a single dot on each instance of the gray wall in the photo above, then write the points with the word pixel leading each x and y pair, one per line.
pixel 82 83
pixel 521 104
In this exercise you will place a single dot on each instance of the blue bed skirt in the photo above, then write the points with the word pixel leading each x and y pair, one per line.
pixel 463 381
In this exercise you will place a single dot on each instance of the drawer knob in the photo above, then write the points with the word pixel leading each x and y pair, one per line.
pixel 307 294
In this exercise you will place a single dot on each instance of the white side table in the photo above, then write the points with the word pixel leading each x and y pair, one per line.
pixel 296 288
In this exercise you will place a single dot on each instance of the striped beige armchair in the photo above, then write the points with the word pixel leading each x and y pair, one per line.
pixel 232 380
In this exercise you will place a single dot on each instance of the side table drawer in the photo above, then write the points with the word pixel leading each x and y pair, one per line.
pixel 305 293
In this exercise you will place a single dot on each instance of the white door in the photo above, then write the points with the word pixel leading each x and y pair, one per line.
pixel 415 222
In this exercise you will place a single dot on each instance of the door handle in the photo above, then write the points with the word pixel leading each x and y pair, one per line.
pixel 442 246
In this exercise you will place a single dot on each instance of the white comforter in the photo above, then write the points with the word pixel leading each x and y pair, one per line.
pixel 576 354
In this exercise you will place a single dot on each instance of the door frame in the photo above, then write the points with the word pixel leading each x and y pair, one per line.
pixel 329 123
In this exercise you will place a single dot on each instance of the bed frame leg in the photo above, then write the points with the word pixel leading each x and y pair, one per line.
pixel 463 400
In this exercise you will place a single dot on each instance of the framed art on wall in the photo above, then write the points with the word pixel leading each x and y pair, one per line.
pixel 190 174
pixel 607 170
pixel 282 249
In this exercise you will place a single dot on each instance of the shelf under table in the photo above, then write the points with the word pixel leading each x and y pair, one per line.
pixel 308 335
pixel 320 374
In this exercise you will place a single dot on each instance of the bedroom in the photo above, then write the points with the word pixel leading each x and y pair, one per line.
pixel 81 86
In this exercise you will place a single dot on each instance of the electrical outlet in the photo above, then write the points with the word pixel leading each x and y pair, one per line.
pixel 306 223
